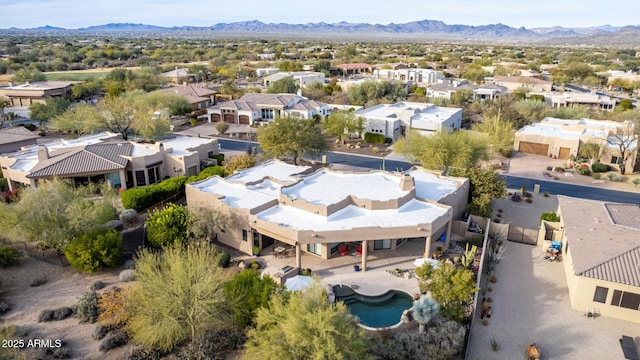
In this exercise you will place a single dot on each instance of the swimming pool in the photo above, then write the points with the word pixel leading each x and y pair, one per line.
pixel 375 311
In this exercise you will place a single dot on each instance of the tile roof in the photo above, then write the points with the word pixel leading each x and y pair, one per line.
pixel 15 134
pixel 603 239
pixel 520 79
pixel 234 105
pixel 268 99
pixel 84 159
pixel 192 93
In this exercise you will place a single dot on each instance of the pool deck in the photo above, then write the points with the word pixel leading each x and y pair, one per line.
pixel 339 269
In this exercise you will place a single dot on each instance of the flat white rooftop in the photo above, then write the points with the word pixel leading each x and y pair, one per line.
pixel 432 187
pixel 550 130
pixel 413 213
pixel 326 187
pixel 240 195
pixel 274 169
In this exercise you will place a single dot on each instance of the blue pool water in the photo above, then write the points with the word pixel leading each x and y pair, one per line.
pixel 375 311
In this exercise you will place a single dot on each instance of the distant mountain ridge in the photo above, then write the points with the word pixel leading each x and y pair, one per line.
pixel 432 28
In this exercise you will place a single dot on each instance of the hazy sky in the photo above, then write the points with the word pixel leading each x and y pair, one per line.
pixel 528 13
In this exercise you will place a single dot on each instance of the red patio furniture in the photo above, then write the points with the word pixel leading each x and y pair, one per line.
pixel 359 250
pixel 343 250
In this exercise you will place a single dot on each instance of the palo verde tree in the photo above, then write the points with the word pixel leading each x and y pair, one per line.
pixel 444 150
pixel 52 107
pixel 500 134
pixel 178 296
pixel 243 161
pixel 305 325
pixel 283 86
pixel 247 292
pixel 343 124
pixel 169 226
pixel 590 150
pixel 292 137
pixel 54 213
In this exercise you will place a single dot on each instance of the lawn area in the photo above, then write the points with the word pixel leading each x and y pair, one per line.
pixel 75 76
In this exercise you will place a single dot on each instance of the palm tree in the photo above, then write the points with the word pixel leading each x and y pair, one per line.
pixel 424 309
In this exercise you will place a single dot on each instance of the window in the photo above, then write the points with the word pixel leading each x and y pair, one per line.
pixel 244 235
pixel 152 176
pixel 315 249
pixel 616 160
pixel 617 294
pixel 140 180
pixel 382 244
pixel 630 301
pixel 601 294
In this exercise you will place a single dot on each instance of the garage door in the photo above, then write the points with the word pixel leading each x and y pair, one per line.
pixel 215 117
pixel 244 119
pixel 534 148
pixel 229 118
pixel 564 153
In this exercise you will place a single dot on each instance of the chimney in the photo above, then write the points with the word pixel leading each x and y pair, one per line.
pixel 406 182
pixel 43 153
pixel 184 84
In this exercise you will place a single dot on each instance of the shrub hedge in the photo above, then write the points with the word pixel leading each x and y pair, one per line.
pixel 141 198
pixel 374 138
pixel 94 250
pixel 583 170
pixel 600 167
pixel 205 173
pixel 8 256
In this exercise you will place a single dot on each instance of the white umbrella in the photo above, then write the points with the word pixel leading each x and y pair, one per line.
pixel 422 261
pixel 298 283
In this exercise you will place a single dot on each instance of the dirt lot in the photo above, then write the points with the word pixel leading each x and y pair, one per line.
pixel 63 287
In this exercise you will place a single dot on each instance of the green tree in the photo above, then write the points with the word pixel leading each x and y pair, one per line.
pixel 206 224
pixel 55 212
pixel 453 288
pixel 243 161
pixel 322 66
pixel 26 74
pixel 283 86
pixel 76 119
pixel 343 124
pixel 248 291
pixel 291 136
pixel 444 150
pixel 500 134
pixel 94 250
pixel 625 104
pixel 305 325
pixel 169 226
pixel 461 96
pixel 86 90
pixel 625 139
pixel 177 297
pixel 486 185
pixel 222 127
pixel 52 107
pixel 589 150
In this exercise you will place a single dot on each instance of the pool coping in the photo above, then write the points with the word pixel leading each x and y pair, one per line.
pixel 369 328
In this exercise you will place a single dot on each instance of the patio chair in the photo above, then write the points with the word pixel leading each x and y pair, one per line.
pixel 343 250
pixel 359 250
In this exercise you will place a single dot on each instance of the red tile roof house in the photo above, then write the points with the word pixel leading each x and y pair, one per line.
pixel 199 97
pixel 355 69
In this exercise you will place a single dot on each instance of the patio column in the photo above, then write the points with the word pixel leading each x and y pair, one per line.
pixel 427 247
pixel 448 237
pixel 365 247
pixel 298 256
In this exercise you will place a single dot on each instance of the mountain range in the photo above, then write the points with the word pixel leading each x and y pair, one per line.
pixel 433 29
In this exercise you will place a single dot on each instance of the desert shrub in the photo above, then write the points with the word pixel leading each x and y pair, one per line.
pixel 442 340
pixel 206 173
pixel 141 353
pixel 600 167
pixel 375 150
pixel 213 344
pixel 222 127
pixel 4 307
pixel 636 181
pixel 550 216
pixel 169 226
pixel 129 264
pixel 612 177
pixel 9 256
pixel 596 176
pixel 549 168
pixel 87 308
pixel 47 353
pixel 113 341
pixel 98 285
pixel 127 275
pixel 100 332
pixel 225 260
pixel 38 281
pixel 558 169
pixel 112 304
pixel 477 240
pixel 583 171
pixel 55 315
pixel 529 201
pixel 247 292
pixel 374 138
pixel 219 159
pixel 239 162
pixel 95 249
